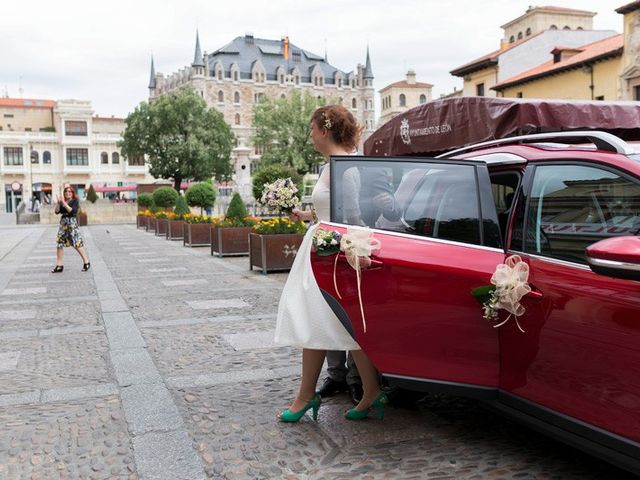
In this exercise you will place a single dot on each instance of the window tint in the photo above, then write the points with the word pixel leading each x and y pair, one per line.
pixel 426 199
pixel 571 207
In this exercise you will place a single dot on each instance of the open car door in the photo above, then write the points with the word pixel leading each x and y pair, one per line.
pixel 439 239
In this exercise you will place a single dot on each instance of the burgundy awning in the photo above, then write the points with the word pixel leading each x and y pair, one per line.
pixel 442 125
pixel 124 188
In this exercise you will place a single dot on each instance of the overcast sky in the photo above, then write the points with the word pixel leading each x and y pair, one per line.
pixel 100 51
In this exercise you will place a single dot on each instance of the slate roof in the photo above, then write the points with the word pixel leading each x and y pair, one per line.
pixel 246 51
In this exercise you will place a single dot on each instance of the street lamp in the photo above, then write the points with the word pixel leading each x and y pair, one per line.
pixel 33 156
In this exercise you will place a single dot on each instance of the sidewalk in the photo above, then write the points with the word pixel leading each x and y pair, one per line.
pixel 159 363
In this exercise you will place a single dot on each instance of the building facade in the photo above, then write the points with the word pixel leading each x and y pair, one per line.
pixel 235 77
pixel 400 96
pixel 630 73
pixel 542 29
pixel 46 144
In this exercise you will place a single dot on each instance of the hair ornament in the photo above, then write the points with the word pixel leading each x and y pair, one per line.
pixel 327 121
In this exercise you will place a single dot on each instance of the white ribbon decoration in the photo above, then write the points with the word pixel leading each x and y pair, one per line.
pixel 357 245
pixel 510 279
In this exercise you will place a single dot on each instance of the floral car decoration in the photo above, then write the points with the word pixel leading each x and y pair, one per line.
pixel 326 242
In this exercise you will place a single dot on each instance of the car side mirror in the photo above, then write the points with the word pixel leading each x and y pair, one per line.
pixel 617 257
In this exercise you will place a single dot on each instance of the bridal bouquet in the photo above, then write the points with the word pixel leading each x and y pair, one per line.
pixel 280 195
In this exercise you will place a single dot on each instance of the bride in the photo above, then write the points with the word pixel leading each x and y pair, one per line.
pixel 304 319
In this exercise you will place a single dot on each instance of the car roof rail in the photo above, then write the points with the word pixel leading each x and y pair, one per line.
pixel 602 140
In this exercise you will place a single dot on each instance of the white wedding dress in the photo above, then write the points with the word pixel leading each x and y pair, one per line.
pixel 304 318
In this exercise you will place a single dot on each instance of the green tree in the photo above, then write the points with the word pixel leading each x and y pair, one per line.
pixel 145 200
pixel 270 173
pixel 282 130
pixel 236 210
pixel 181 206
pixel 200 195
pixel 92 196
pixel 181 138
pixel 165 197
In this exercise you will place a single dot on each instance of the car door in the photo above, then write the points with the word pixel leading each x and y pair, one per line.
pixel 580 352
pixel 422 323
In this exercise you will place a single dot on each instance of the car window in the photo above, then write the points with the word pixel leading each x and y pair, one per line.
pixel 426 199
pixel 571 207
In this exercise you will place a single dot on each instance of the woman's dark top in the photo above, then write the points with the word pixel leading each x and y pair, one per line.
pixel 73 203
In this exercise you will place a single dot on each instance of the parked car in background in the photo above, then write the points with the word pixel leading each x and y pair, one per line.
pixel 568 203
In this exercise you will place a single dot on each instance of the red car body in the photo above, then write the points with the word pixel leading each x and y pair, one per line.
pixel 575 371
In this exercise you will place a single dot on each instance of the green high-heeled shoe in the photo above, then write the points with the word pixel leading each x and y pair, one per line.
pixel 313 404
pixel 379 404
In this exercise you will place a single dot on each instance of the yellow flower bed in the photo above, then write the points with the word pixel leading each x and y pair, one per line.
pixel 279 225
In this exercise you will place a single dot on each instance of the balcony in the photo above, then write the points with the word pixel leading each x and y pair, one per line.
pixel 134 169
pixel 14 169
pixel 76 169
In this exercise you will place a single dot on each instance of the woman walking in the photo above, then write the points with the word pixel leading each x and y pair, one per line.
pixel 304 317
pixel 69 232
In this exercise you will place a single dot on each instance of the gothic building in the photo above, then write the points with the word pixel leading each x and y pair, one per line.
pixel 233 78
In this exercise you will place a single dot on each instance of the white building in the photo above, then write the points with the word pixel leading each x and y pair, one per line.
pixel 45 145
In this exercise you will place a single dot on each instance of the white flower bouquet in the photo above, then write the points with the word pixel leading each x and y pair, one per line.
pixel 280 195
pixel 326 242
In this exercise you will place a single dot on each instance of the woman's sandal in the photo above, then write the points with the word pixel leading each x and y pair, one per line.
pixel 57 269
pixel 86 266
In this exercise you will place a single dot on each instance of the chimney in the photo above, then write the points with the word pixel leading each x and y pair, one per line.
pixel 248 38
pixel 411 77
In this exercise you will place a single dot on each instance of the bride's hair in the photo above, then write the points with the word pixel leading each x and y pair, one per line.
pixel 340 123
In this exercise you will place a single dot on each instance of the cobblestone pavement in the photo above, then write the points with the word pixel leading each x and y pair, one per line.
pixel 159 364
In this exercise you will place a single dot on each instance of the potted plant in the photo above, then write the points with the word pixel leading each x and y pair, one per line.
pixel 200 195
pixel 175 224
pixel 145 201
pixel 151 220
pixel 166 198
pixel 273 244
pixel 197 230
pixel 230 235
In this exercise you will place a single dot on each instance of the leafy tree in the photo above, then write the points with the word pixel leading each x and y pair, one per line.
pixel 270 173
pixel 201 195
pixel 181 206
pixel 282 129
pixel 92 196
pixel 236 209
pixel 165 197
pixel 181 138
pixel 145 200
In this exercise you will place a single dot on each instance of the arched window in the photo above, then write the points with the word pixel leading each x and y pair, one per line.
pixel 115 158
pixel 236 97
pixel 566 27
pixel 35 156
pixel 220 96
pixel 553 27
pixel 219 74
pixel 423 99
pixel 512 39
pixel 353 103
pixel 237 119
pixel 104 157
pixel 578 28
pixel 235 76
pixel 46 157
pixel 297 78
pixel 528 32
pixel 519 35
pixel 403 100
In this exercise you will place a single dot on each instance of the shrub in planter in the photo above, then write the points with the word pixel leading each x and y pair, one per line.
pixel 181 206
pixel 165 197
pixel 92 196
pixel 236 208
pixel 197 230
pixel 200 195
pixel 230 235
pixel 145 201
pixel 274 244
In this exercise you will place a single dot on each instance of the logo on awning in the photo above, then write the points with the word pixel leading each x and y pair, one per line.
pixel 404 131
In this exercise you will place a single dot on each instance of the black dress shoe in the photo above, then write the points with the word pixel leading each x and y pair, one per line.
pixel 355 393
pixel 330 387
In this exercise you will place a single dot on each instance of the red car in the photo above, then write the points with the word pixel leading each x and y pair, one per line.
pixel 568 203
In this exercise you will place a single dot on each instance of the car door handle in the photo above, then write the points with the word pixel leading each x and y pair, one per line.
pixel 374 265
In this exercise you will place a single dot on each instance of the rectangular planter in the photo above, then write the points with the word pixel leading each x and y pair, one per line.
pixel 141 221
pixel 161 227
pixel 175 229
pixel 152 224
pixel 273 252
pixel 197 234
pixel 230 241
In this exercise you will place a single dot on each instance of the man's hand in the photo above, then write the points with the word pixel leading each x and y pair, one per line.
pixel 384 201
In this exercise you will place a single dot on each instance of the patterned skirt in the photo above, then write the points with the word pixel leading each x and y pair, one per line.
pixel 69 233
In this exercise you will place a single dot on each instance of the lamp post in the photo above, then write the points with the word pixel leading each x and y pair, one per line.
pixel 32 156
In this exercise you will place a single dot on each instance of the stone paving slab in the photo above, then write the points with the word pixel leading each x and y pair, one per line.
pixel 55 315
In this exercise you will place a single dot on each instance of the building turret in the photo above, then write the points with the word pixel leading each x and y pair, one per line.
pixel 368 71
pixel 198 63
pixel 152 79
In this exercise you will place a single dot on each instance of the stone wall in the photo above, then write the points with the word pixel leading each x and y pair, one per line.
pixel 101 212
